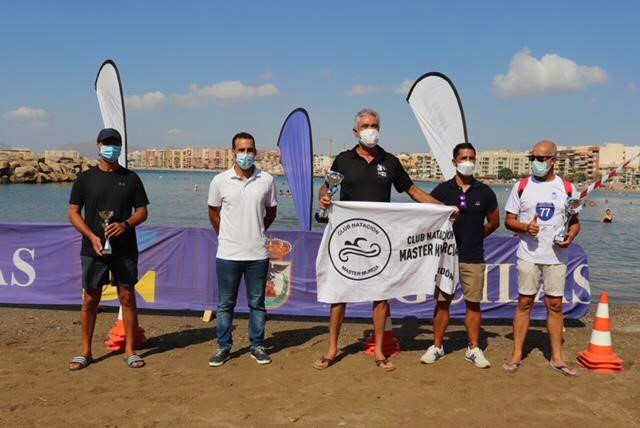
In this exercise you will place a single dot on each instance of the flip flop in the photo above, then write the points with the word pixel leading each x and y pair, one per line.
pixel 82 361
pixel 511 367
pixel 563 370
pixel 385 365
pixel 134 362
pixel 323 363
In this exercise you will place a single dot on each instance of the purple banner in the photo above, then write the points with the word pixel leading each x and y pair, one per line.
pixel 296 154
pixel 40 264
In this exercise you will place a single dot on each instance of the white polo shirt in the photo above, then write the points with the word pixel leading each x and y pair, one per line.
pixel 546 198
pixel 244 204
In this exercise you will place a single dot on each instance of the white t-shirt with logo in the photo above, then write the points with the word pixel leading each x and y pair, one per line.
pixel 547 199
pixel 243 207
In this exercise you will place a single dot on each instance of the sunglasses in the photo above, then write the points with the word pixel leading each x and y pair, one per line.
pixel 463 201
pixel 540 158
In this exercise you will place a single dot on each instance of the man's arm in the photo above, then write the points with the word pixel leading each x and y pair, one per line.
pixel 419 195
pixel 574 229
pixel 323 194
pixel 512 223
pixel 139 216
pixel 214 218
pixel 270 216
pixel 493 222
pixel 75 217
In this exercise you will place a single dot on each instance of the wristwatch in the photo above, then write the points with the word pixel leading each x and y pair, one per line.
pixel 126 224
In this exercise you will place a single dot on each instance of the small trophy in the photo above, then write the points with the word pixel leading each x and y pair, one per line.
pixel 333 180
pixel 572 207
pixel 106 216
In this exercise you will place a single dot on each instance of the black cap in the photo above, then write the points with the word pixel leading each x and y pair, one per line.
pixel 110 134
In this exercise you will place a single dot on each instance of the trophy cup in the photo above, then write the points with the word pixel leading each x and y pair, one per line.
pixel 106 216
pixel 572 207
pixel 333 180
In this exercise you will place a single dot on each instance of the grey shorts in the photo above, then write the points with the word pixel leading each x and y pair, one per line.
pixel 95 271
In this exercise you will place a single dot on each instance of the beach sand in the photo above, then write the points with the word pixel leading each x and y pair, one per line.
pixel 178 387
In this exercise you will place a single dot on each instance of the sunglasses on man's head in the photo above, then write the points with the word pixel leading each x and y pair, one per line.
pixel 540 158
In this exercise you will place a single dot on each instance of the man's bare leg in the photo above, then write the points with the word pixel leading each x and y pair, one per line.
pixel 440 322
pixel 88 315
pixel 127 299
pixel 555 322
pixel 521 323
pixel 473 321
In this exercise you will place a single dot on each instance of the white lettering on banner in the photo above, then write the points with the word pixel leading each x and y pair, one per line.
pixel 581 282
pixel 22 266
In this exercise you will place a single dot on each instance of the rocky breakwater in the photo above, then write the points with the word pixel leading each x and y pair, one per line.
pixel 35 168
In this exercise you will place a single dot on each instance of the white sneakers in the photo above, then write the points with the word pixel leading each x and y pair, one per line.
pixel 476 357
pixel 473 355
pixel 432 355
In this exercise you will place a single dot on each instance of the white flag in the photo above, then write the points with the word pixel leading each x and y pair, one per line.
pixel 377 251
pixel 437 106
pixel 111 102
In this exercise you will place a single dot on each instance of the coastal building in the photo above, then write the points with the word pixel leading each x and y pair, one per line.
pixel 489 163
pixel 62 154
pixel 612 155
pixel 578 159
pixel 321 164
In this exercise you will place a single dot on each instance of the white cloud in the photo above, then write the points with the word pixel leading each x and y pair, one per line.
pixel 225 92
pixel 144 102
pixel 404 88
pixel 362 90
pixel 530 77
pixel 27 113
pixel 632 87
pixel 175 132
pixel 267 76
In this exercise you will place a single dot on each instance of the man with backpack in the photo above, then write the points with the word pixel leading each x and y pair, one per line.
pixel 535 213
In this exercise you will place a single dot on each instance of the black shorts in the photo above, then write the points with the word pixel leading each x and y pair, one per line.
pixel 95 271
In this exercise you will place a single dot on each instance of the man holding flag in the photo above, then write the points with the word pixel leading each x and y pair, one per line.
pixel 477 202
pixel 535 212
pixel 369 171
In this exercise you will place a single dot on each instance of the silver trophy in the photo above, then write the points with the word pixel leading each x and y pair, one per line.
pixel 572 207
pixel 106 216
pixel 332 180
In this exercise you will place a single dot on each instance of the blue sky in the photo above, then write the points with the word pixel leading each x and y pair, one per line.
pixel 571 70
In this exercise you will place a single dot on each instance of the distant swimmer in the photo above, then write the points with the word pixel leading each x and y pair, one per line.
pixel 195 187
pixel 607 216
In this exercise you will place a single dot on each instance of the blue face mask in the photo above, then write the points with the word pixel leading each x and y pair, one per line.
pixel 540 169
pixel 110 153
pixel 245 160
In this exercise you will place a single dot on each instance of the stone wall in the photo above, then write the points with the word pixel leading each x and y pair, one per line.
pixel 29 167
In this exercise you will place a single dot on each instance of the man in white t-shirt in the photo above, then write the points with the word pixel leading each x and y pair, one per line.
pixel 535 212
pixel 242 205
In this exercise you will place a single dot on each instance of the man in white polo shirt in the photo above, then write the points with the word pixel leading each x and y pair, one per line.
pixel 242 205
pixel 534 212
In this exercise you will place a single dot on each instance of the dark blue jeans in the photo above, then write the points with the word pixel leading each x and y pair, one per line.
pixel 255 278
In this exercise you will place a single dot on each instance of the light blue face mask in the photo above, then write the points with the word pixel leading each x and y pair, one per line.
pixel 110 153
pixel 245 160
pixel 540 169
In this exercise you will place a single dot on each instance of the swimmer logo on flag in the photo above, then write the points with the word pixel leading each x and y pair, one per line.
pixel 359 249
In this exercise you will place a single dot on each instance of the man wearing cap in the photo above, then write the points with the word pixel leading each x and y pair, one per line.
pixel 108 187
pixel 242 205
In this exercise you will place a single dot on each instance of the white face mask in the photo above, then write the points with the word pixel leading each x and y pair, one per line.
pixel 369 137
pixel 466 168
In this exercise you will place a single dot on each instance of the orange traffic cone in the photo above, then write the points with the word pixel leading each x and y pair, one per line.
pixel 600 356
pixel 390 345
pixel 117 338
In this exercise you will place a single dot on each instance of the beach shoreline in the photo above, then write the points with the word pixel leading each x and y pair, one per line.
pixel 178 387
